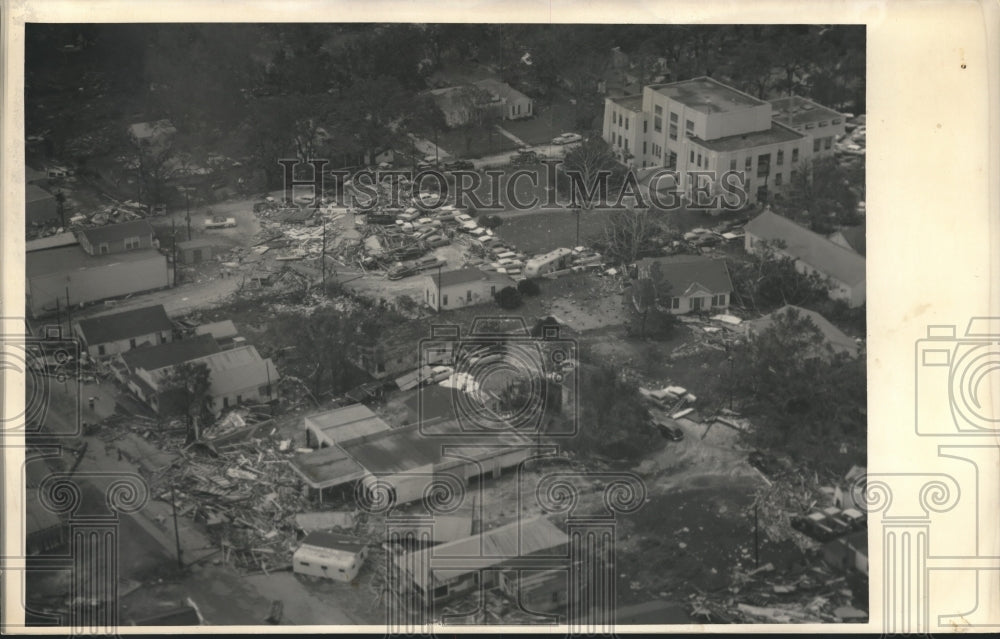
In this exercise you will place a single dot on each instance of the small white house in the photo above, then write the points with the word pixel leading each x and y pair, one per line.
pixel 115 333
pixel 330 555
pixel 688 283
pixel 462 287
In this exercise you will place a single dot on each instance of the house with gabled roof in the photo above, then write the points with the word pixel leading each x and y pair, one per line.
pixel 514 104
pixel 687 283
pixel 843 268
pixel 463 287
pixel 108 335
pixel 839 341
pixel 117 238
pixel 236 376
pixel 851 237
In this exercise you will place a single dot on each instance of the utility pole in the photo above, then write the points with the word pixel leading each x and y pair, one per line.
pixel 173 243
pixel 187 203
pixel 438 302
pixel 69 312
pixel 756 538
pixel 177 534
pixel 578 212
pixel 322 258
pixel 59 313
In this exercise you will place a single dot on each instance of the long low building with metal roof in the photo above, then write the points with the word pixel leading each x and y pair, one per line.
pixel 407 460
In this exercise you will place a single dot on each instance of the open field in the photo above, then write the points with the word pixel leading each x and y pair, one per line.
pixel 550 229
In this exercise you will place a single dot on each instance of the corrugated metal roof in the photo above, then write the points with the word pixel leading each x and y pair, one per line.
pixel 125 324
pixel 488 549
pixel 327 467
pixel 344 424
pixel 70 259
pixel 218 330
pixel 403 449
pixel 52 241
pixel 819 252
pixel 444 528
pixel 33 193
pixel 335 541
pixel 238 369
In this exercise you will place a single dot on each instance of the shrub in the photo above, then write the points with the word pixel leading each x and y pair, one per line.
pixel 509 298
pixel 528 288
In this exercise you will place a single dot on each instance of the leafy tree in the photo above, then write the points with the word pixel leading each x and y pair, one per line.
pixel 317 349
pixel 767 280
pixel 426 118
pixel 483 116
pixel 60 198
pixel 645 299
pixel 824 194
pixel 528 287
pixel 185 391
pixel 613 420
pixel 804 398
pixel 509 298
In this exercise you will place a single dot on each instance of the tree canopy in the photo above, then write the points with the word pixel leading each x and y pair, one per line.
pixel 803 398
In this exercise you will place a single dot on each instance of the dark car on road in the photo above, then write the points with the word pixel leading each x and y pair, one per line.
pixel 672 433
pixel 459 165
pixel 768 465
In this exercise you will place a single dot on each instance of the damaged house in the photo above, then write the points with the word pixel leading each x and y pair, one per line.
pixel 526 559
pixel 236 376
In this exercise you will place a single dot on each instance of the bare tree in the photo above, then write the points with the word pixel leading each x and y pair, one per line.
pixel 627 234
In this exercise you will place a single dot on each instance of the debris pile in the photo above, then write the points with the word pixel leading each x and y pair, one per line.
pixel 808 595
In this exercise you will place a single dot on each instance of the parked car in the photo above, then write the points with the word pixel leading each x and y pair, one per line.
pixel 380 218
pixel 567 138
pixel 220 222
pixel 766 464
pixel 673 433
pixel 524 157
pixel 814 525
pixel 459 165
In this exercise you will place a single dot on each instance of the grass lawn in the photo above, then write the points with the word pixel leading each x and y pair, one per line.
pixel 548 230
pixel 548 122
pixel 484 141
